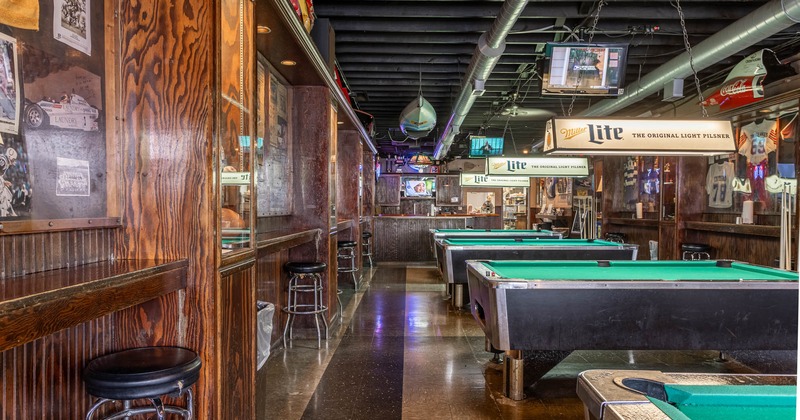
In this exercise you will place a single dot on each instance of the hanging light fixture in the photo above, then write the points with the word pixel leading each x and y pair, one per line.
pixel 420 159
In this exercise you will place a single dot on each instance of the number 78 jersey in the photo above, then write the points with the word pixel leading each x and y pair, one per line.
pixel 719 185
pixel 758 140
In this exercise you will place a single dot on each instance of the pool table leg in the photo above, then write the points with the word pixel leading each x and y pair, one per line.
pixel 458 295
pixel 513 386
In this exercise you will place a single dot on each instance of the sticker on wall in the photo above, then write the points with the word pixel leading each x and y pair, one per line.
pixel 71 24
pixel 15 188
pixel 73 178
pixel 9 85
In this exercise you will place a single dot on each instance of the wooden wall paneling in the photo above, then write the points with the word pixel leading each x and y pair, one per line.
pixel 387 190
pixel 167 75
pixel 691 195
pixel 270 287
pixel 400 238
pixel 348 160
pixel 312 147
pixel 667 249
pixel 236 336
pixel 637 234
pixel 42 379
pixel 31 253
pixel 754 249
pixel 313 139
pixel 368 195
pixel 447 188
pixel 613 189
pixel 487 222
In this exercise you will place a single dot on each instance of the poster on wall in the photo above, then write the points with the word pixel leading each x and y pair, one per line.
pixel 15 187
pixel 9 85
pixel 71 24
pixel 62 119
pixel 72 179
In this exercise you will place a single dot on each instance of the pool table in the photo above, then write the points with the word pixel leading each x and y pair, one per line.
pixel 551 308
pixel 455 252
pixel 648 394
pixel 494 233
pixel 485 233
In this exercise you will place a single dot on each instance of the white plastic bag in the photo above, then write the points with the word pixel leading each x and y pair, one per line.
pixel 265 311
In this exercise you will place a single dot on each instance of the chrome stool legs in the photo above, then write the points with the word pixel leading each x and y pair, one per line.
pixel 347 253
pixel 366 246
pixel 302 283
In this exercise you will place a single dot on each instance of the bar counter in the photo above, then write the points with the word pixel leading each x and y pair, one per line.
pixel 407 237
pixel 36 305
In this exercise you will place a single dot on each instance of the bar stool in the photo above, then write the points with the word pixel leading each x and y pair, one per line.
pixel 366 246
pixel 304 278
pixel 346 251
pixel 143 373
pixel 693 252
pixel 616 237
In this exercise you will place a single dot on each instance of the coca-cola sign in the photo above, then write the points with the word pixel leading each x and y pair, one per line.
pixel 744 84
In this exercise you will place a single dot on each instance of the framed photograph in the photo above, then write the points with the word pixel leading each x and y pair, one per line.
pixel 71 24
pixel 9 85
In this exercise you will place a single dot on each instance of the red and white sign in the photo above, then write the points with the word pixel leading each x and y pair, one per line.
pixel 744 84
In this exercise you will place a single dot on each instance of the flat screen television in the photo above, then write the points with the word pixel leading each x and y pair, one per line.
pixel 583 69
pixel 419 187
pixel 482 146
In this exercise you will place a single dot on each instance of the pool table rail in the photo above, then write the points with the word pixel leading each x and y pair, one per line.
pixel 605 397
pixel 484 273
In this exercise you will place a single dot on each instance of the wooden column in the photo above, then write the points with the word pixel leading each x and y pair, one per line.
pixel 166 60
pixel 311 116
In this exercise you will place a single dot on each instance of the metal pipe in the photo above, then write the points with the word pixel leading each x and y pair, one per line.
pixel 490 47
pixel 762 23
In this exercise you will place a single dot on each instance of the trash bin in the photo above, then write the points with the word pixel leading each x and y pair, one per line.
pixel 653 250
pixel 264 313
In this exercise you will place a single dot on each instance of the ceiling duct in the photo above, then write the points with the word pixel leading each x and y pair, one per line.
pixel 762 23
pixel 490 47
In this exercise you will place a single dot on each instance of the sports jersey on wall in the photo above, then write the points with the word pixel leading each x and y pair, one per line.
pixel 758 140
pixel 719 185
pixel 756 174
pixel 631 180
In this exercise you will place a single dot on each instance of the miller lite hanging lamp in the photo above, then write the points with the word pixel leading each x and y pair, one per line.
pixel 605 136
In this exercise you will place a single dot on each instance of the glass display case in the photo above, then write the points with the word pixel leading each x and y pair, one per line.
pixel 236 125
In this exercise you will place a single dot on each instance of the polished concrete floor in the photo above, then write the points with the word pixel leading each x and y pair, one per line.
pixel 402 351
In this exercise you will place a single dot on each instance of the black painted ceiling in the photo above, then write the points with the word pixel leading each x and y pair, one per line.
pixel 383 48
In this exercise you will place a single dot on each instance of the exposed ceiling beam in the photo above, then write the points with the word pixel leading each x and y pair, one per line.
pixel 537 10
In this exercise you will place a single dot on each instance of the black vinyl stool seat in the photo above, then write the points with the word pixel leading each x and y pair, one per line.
pixel 147 372
pixel 305 278
pixel 305 267
pixel 347 251
pixel 366 246
pixel 694 251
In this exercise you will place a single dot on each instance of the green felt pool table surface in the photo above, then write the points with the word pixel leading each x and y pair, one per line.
pixel 543 242
pixel 718 402
pixel 634 270
pixel 505 231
